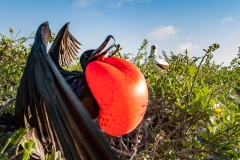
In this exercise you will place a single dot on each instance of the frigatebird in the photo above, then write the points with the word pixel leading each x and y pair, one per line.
pixel 46 105
pixel 158 61
pixel 105 86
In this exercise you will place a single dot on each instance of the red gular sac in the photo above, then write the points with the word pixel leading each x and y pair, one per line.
pixel 120 90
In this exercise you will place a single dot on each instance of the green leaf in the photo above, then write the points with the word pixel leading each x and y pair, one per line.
pixel 204 105
pixel 210 129
pixel 4 156
pixel 28 145
pixel 17 136
pixel 26 155
pixel 205 90
pixel 184 143
pixel 204 135
pixel 195 142
pixel 191 70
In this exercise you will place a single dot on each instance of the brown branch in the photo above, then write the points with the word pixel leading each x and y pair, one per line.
pixel 122 144
pixel 159 137
pixel 121 152
pixel 3 106
pixel 135 146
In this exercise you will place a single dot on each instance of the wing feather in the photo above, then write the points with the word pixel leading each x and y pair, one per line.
pixel 64 48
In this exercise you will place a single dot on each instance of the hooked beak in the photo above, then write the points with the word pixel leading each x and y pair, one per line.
pixel 96 54
pixel 101 56
pixel 93 55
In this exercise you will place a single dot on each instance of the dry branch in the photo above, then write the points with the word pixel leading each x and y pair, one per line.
pixel 3 106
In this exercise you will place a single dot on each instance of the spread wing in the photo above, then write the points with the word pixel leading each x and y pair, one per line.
pixel 46 103
pixel 64 48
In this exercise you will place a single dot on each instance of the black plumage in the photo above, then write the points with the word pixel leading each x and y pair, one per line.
pixel 47 103
pixel 63 52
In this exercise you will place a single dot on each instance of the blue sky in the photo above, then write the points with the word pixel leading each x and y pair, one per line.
pixel 173 25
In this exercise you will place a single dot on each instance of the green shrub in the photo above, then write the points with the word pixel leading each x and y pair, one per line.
pixel 13 55
pixel 195 99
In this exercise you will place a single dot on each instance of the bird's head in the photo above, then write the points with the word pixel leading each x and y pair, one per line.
pixel 153 51
pixel 96 54
pixel 43 33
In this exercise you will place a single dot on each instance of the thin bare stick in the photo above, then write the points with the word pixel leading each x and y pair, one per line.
pixel 146 123
pixel 159 137
pixel 3 106
pixel 120 143
pixel 135 146
pixel 121 152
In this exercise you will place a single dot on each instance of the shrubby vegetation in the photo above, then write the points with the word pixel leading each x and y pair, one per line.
pixel 193 110
pixel 196 105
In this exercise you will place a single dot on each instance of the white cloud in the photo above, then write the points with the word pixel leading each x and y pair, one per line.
pixel 143 1
pixel 85 3
pixel 113 3
pixel 227 19
pixel 163 32
pixel 189 46
pixel 119 3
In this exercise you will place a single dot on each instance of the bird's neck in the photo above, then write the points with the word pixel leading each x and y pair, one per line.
pixel 152 54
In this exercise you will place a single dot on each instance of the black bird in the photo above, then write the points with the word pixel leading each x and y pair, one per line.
pixel 63 52
pixel 46 103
